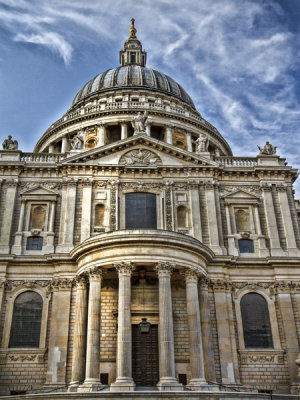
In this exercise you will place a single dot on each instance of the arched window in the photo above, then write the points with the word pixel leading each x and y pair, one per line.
pixel 26 320
pixel 38 214
pixel 256 321
pixel 181 217
pixel 246 246
pixel 140 211
pixel 99 214
pixel 34 243
pixel 242 221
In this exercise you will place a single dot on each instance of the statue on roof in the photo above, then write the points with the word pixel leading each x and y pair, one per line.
pixel 139 123
pixel 77 140
pixel 9 144
pixel 201 143
pixel 267 150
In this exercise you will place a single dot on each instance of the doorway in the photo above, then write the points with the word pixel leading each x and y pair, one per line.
pixel 145 365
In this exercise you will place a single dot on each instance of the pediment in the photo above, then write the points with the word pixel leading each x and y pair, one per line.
pixel 139 151
pixel 38 192
pixel 241 196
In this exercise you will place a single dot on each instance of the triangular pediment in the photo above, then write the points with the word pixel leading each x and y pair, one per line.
pixel 139 151
pixel 38 190
pixel 240 194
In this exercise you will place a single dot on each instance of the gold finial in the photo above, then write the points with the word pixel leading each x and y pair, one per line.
pixel 132 30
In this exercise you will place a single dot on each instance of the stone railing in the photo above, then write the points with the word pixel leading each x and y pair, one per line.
pixel 132 104
pixel 42 157
pixel 237 161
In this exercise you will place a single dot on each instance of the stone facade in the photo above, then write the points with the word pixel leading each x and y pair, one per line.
pixel 222 227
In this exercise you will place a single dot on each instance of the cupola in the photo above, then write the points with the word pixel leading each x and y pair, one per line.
pixel 133 54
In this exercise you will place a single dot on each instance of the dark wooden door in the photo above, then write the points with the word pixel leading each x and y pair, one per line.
pixel 145 356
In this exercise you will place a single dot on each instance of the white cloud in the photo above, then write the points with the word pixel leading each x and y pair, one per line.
pixel 51 40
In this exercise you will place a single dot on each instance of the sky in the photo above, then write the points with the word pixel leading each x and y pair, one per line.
pixel 238 60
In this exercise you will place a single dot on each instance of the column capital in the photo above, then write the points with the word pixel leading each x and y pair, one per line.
pixel 80 281
pixel 191 275
pixel 124 267
pixel 95 273
pixel 164 268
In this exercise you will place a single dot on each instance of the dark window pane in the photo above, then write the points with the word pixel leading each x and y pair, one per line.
pixel 26 321
pixel 246 246
pixel 256 321
pixel 34 243
pixel 140 211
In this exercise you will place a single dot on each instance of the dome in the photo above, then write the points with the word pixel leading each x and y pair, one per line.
pixel 133 76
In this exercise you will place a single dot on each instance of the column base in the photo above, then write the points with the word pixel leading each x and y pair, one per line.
pixel 90 386
pixel 169 384
pixel 200 385
pixel 123 385
pixel 73 387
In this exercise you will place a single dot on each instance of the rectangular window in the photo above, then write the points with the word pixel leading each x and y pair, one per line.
pixel 140 211
pixel 132 57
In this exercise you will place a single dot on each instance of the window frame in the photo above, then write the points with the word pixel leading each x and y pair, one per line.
pixel 270 299
pixel 11 297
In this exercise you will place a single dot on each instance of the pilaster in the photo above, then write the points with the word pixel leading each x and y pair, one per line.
pixel 195 208
pixel 9 204
pixel 86 210
pixel 67 217
pixel 214 237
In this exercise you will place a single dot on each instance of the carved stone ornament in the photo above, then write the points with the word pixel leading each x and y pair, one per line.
pixel 124 267
pixel 9 144
pixel 261 357
pixel 164 268
pixel 95 273
pixel 61 283
pixel 232 189
pixel 11 285
pixel 139 157
pixel 190 275
pixel 139 123
pixel 113 208
pixel 141 185
pixel 25 186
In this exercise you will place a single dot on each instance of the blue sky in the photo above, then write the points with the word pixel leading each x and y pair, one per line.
pixel 238 59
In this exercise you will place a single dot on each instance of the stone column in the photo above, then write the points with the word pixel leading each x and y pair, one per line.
pixel 263 251
pixel 92 372
pixel 85 232
pixel 165 331
pixel 197 381
pixel 148 129
pixel 224 334
pixel 8 201
pixel 17 246
pixel 124 130
pixel 214 242
pixel 51 148
pixel 102 135
pixel 287 222
pixel 290 333
pixel 59 332
pixel 79 344
pixel 2 290
pixel 64 144
pixel 207 344
pixel 232 249
pixel 168 135
pixel 189 141
pixel 276 249
pixel 195 208
pixel 124 381
pixel 67 217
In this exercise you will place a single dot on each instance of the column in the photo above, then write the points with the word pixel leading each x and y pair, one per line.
pixel 17 246
pixel 212 219
pixel 86 211
pixel 49 248
pixel 167 380
pixel 197 381
pixel 276 249
pixel 148 129
pixel 287 222
pixel 67 218
pixel 207 344
pixel 102 135
pixel 78 360
pixel 8 201
pixel 51 148
pixel 168 135
pixel 64 144
pixel 232 249
pixel 124 381
pixel 2 289
pixel 189 141
pixel 59 332
pixel 224 334
pixel 124 130
pixel 195 207
pixel 92 372
pixel 290 333
pixel 263 251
